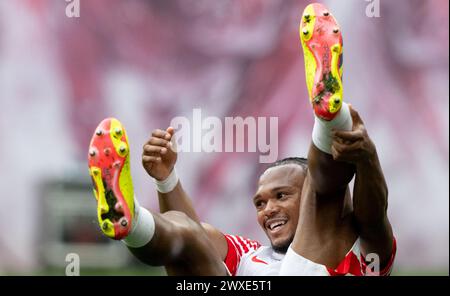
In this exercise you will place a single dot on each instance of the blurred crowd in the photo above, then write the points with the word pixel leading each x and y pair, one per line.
pixel 148 61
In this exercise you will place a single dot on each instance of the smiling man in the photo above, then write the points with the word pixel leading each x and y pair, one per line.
pixel 277 200
pixel 277 203
pixel 311 231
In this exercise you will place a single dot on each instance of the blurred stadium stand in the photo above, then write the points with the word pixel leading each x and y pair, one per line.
pixel 146 62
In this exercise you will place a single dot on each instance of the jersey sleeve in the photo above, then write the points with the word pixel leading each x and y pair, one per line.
pixel 237 248
pixel 386 270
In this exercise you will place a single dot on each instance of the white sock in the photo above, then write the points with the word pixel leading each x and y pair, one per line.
pixel 143 227
pixel 321 135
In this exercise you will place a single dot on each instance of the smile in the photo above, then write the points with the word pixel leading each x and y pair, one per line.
pixel 274 225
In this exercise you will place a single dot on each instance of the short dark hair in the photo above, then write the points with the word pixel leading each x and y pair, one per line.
pixel 301 161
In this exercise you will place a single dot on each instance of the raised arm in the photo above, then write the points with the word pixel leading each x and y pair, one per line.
pixel 370 193
pixel 158 159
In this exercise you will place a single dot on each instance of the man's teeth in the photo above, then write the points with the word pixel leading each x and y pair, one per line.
pixel 276 224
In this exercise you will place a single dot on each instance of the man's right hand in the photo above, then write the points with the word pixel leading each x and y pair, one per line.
pixel 158 156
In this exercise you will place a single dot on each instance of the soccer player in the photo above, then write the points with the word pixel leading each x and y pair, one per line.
pixel 325 228
pixel 305 210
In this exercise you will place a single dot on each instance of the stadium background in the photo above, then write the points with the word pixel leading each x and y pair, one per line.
pixel 146 62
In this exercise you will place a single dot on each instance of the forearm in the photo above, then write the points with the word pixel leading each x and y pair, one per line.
pixel 370 201
pixel 370 193
pixel 159 159
pixel 177 200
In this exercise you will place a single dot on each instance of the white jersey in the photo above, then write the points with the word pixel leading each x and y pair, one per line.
pixel 248 258
pixel 263 261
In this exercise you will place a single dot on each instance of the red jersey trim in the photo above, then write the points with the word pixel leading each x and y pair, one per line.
pixel 237 247
pixel 386 271
pixel 232 259
pixel 352 265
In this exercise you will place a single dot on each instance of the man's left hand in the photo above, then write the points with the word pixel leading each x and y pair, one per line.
pixel 353 146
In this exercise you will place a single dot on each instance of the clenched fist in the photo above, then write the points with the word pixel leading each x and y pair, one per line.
pixel 158 156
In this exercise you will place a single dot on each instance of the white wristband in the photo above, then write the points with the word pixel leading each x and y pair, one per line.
pixel 168 184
